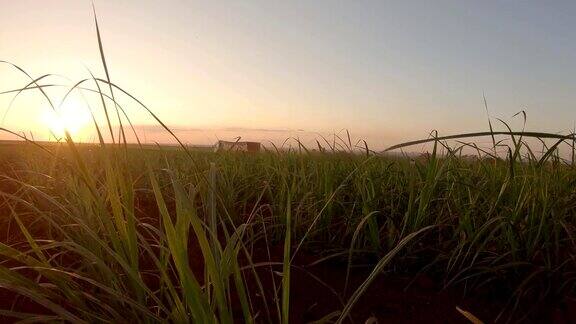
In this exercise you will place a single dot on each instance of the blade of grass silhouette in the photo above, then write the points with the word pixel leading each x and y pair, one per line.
pixel 102 98
pixel 33 82
pixel 516 142
pixel 573 145
pixel 103 58
pixel 548 153
pixel 376 271
pixel 357 230
pixel 31 88
pixel 489 123
pixel 478 134
pixel 286 265
pixel 477 148
pixel 349 140
pixel 186 150
pixel 2 129
pixel 469 316
pixel 30 77
pixel 104 107
pixel 96 126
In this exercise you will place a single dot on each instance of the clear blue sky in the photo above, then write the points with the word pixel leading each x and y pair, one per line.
pixel 386 70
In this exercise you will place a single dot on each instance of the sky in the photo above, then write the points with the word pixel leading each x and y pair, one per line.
pixel 388 71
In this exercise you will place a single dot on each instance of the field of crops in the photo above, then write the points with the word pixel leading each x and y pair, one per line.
pixel 121 234
pixel 113 232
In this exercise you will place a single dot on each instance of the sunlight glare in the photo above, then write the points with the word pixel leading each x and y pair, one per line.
pixel 72 116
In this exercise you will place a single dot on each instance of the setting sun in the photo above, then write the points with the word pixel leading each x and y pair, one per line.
pixel 72 116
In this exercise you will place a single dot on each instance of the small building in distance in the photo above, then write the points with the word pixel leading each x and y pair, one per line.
pixel 222 146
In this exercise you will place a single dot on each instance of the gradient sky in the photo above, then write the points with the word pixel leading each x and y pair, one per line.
pixel 386 70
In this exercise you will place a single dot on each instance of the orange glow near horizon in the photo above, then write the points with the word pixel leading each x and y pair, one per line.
pixel 270 70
